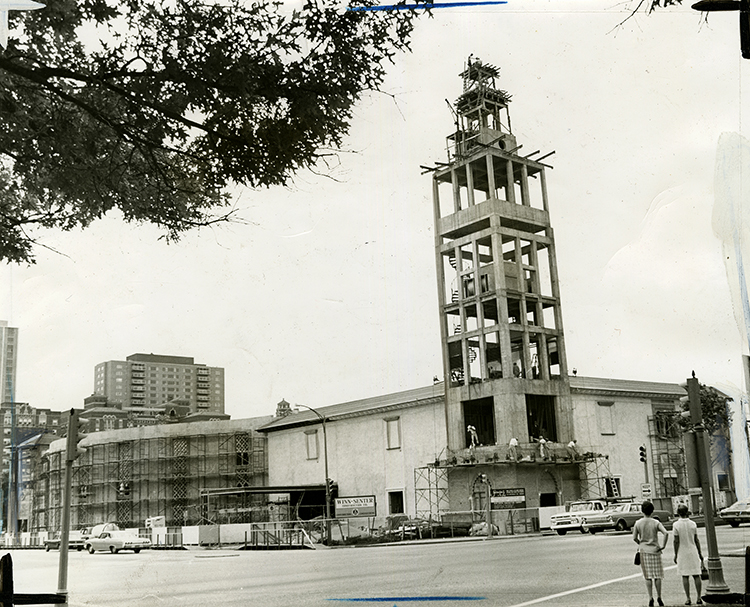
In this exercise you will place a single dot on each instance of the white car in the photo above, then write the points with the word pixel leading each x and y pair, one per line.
pixel 575 516
pixel 114 541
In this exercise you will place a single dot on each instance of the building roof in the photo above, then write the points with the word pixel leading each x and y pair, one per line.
pixel 435 392
pixel 366 406
pixel 630 387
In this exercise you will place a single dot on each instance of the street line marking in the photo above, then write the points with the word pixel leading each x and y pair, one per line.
pixel 584 588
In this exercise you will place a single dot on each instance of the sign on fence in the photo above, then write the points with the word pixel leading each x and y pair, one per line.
pixel 503 499
pixel 353 507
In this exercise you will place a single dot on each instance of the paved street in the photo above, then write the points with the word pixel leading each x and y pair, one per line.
pixel 565 571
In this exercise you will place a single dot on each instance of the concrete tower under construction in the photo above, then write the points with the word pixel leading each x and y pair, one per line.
pixel 506 377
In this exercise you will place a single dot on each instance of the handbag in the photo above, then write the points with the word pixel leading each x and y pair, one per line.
pixel 704 572
pixel 637 560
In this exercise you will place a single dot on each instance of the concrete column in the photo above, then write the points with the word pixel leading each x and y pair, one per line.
pixel 492 190
pixel 456 191
pixel 525 200
pixel 510 191
pixel 470 184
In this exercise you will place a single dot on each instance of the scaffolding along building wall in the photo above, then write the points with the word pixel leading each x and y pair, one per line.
pixel 126 476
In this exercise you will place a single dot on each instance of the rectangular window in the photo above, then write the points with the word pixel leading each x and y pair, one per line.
pixel 393 433
pixel 540 417
pixel 395 502
pixel 480 415
pixel 606 417
pixel 723 480
pixel 311 441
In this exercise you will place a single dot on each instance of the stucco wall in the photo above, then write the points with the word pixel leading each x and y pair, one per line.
pixel 358 459
pixel 619 439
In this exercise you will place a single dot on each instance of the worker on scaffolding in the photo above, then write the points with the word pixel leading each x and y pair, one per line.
pixel 513 449
pixel 473 437
pixel 573 450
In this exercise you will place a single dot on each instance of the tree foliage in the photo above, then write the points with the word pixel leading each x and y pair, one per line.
pixel 154 107
pixel 715 408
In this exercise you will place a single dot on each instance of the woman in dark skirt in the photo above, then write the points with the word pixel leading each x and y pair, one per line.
pixel 646 534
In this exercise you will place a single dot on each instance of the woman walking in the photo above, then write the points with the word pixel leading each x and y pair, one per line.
pixel 687 552
pixel 646 534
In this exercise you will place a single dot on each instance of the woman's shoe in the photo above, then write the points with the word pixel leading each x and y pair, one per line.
pixel 687 602
pixel 699 601
pixel 659 601
pixel 651 603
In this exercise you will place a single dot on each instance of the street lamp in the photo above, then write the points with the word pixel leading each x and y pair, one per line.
pixel 743 6
pixel 716 583
pixel 325 463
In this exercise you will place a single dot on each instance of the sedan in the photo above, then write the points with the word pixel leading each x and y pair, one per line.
pixel 737 513
pixel 114 541
pixel 621 517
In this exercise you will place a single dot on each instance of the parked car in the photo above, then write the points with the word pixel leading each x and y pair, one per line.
pixel 114 541
pixel 76 541
pixel 575 516
pixel 737 513
pixel 621 517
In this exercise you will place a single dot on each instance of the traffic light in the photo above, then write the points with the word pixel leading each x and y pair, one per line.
pixel 123 490
pixel 76 427
pixel 642 453
pixel 329 485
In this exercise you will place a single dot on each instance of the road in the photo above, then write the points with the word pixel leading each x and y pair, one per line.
pixel 565 571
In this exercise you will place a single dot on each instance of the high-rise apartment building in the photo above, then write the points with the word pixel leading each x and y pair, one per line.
pixel 151 380
pixel 8 356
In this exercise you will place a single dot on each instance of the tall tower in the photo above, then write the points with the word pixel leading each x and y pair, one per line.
pixel 8 357
pixel 501 324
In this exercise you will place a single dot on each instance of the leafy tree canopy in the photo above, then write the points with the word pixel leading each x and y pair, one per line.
pixel 155 106
pixel 715 407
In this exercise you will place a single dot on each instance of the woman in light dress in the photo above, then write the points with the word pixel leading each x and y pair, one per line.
pixel 687 552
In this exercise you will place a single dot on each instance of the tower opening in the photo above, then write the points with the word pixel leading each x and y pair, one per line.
pixel 480 413
pixel 540 416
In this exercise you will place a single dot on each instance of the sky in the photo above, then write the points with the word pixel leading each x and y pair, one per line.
pixel 327 293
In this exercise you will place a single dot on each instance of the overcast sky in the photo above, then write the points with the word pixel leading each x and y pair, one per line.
pixel 328 293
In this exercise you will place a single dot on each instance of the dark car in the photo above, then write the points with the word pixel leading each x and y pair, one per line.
pixel 621 517
pixel 737 513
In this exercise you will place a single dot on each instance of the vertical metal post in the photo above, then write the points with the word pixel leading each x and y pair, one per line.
pixel 71 452
pixel 488 507
pixel 716 583
pixel 328 483
pixel 325 464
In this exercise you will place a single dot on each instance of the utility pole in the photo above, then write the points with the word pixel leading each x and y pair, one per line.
pixel 71 453
pixel 716 583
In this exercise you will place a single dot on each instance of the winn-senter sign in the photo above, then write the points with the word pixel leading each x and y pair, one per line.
pixel 351 507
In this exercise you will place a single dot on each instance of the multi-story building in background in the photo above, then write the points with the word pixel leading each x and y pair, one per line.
pixel 151 380
pixel 8 356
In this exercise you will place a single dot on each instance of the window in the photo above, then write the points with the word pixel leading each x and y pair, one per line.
pixel 606 417
pixel 480 413
pixel 667 424
pixel 311 441
pixel 393 433
pixel 540 417
pixel 723 480
pixel 395 502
